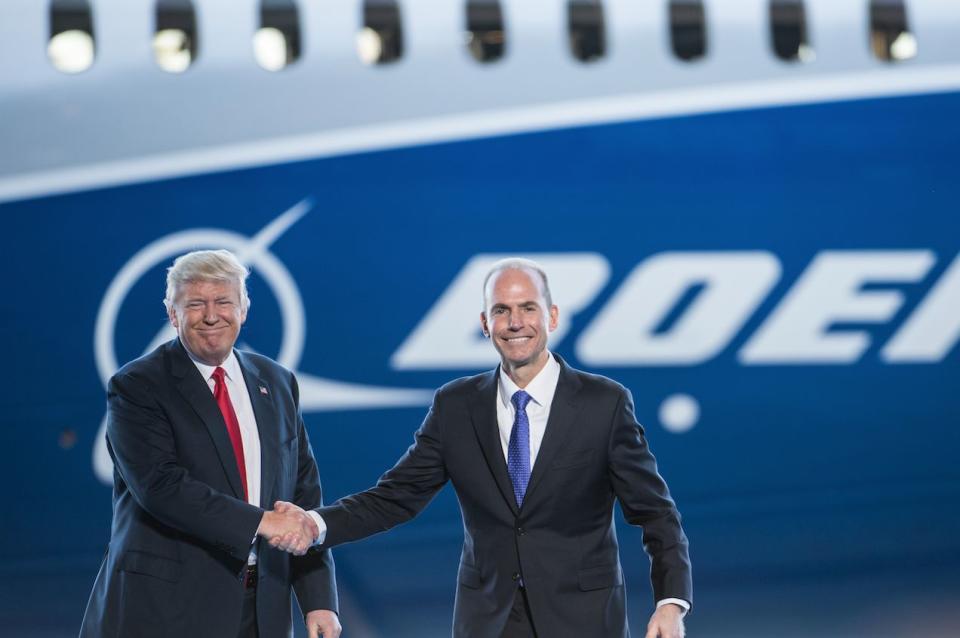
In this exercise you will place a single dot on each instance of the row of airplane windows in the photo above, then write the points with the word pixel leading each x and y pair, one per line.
pixel 277 41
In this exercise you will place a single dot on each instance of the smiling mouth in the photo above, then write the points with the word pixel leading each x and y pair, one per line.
pixel 517 339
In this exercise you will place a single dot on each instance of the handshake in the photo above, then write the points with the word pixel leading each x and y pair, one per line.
pixel 288 528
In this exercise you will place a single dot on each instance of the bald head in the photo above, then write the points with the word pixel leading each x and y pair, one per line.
pixel 529 266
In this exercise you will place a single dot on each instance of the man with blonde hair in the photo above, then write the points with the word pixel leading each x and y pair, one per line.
pixel 204 439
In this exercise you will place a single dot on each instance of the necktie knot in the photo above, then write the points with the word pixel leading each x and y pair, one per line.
pixel 219 374
pixel 520 399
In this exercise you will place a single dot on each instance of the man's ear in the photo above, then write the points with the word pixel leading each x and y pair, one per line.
pixel 172 315
pixel 483 324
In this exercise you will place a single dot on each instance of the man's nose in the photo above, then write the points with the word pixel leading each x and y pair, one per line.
pixel 515 323
pixel 210 314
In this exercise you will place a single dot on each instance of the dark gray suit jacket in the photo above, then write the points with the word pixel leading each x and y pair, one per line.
pixel 181 527
pixel 562 543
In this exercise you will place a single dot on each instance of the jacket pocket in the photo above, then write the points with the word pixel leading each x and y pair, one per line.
pixel 134 562
pixel 469 576
pixel 576 459
pixel 600 577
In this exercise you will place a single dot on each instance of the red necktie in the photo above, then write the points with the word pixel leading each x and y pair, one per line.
pixel 233 425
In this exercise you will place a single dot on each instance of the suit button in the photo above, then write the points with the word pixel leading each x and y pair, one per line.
pixel 521 531
pixel 516 576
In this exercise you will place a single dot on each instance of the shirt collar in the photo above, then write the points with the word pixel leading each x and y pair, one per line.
pixel 231 366
pixel 541 388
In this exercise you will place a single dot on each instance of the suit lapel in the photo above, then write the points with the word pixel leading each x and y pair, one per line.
pixel 195 390
pixel 484 416
pixel 268 426
pixel 563 415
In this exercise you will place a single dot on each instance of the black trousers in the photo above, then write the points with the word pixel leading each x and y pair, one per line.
pixel 520 622
pixel 248 614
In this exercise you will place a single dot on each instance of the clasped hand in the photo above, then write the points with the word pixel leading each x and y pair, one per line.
pixel 288 528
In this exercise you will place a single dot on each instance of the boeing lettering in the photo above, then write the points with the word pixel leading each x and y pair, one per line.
pixel 801 330
pixel 624 331
pixel 831 291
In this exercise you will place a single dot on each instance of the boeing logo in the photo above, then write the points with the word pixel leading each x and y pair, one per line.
pixel 672 309
pixel 315 393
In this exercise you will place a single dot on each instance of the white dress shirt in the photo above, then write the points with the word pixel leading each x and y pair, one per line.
pixel 541 390
pixel 249 434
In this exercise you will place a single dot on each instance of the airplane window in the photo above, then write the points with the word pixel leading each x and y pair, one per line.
pixel 485 32
pixel 588 41
pixel 890 36
pixel 175 37
pixel 688 30
pixel 788 29
pixel 380 41
pixel 276 44
pixel 71 47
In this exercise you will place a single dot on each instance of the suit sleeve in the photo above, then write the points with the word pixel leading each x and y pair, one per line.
pixel 400 494
pixel 646 502
pixel 313 576
pixel 143 448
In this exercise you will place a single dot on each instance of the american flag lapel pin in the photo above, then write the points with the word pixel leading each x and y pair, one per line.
pixel 263 390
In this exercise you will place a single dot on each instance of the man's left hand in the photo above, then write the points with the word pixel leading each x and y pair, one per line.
pixel 322 622
pixel 666 622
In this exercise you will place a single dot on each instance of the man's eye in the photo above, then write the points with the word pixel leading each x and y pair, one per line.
pixel 194 305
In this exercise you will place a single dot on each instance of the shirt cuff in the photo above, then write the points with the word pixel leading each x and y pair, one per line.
pixel 660 603
pixel 322 536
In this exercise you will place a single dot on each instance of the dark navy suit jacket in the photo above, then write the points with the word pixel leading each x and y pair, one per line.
pixel 562 543
pixel 182 530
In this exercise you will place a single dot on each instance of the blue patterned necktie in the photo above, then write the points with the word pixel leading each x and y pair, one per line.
pixel 518 452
